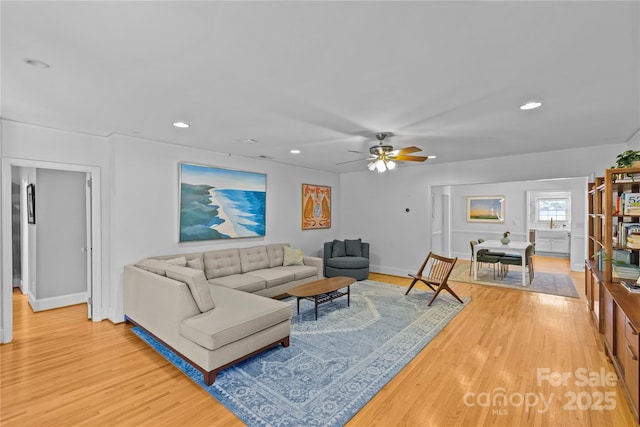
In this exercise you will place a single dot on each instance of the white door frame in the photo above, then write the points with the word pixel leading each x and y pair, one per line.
pixel 446 224
pixel 6 288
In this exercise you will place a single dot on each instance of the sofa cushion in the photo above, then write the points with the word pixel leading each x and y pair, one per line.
pixel 353 247
pixel 241 282
pixel 292 256
pixel 189 256
pixel 181 261
pixel 221 263
pixel 197 284
pixel 196 264
pixel 237 316
pixel 154 265
pixel 273 276
pixel 254 258
pixel 338 248
pixel 348 262
pixel 276 254
pixel 299 271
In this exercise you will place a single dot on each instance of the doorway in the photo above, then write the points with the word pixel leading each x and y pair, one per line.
pixel 61 242
pixel 89 251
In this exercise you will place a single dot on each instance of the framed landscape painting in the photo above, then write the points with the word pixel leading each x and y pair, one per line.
pixel 220 203
pixel 485 209
pixel 316 206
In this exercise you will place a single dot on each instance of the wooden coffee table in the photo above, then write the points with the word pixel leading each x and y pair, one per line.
pixel 322 291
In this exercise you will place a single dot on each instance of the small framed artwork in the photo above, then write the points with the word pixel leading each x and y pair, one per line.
pixel 31 204
pixel 485 209
pixel 316 206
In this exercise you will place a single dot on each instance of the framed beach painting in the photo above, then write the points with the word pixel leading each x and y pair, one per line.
pixel 485 209
pixel 220 203
pixel 316 206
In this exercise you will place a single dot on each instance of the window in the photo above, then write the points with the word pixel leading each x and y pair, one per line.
pixel 552 208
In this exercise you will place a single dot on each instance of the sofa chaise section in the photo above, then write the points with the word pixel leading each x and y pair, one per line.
pixel 240 325
pixel 244 319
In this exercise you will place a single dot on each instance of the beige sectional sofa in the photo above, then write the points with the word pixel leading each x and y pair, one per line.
pixel 215 308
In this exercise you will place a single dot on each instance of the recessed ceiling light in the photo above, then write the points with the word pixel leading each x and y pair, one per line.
pixel 36 63
pixel 251 141
pixel 531 105
pixel 295 151
pixel 181 125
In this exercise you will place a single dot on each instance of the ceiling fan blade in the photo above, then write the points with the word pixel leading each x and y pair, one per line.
pixel 352 161
pixel 408 150
pixel 410 158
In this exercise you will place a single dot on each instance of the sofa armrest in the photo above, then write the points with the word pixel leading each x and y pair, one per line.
pixel 365 250
pixel 326 254
pixel 315 262
pixel 157 303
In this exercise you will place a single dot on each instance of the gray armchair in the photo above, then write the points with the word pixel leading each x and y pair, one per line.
pixel 348 258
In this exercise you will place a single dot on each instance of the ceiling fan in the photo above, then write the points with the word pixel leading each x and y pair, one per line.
pixel 385 157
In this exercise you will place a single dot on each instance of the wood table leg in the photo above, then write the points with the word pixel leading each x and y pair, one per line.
pixel 316 305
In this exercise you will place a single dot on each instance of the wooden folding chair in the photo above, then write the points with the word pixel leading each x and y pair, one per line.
pixel 435 271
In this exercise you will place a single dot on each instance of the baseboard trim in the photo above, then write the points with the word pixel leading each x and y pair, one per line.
pixel 57 302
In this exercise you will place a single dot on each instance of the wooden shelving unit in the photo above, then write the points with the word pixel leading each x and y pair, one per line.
pixel 615 310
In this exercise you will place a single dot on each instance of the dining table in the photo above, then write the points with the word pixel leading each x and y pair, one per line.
pixel 510 248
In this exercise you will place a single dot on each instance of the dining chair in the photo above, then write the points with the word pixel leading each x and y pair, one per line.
pixel 485 256
pixel 508 260
pixel 434 273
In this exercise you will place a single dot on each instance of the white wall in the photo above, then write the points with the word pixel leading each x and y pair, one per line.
pixel 373 205
pixel 145 204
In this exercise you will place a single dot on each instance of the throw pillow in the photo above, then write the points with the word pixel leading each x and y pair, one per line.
pixel 292 256
pixel 353 247
pixel 338 249
pixel 196 264
pixel 154 265
pixel 181 261
pixel 197 284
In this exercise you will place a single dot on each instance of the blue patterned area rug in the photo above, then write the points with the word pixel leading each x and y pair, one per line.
pixel 334 365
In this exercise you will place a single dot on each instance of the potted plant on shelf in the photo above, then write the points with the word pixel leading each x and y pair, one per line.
pixel 630 158
pixel 627 159
pixel 505 238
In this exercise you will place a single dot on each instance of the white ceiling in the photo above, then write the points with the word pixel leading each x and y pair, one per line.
pixel 324 77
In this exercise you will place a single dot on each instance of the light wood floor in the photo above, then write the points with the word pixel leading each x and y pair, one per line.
pixel 64 370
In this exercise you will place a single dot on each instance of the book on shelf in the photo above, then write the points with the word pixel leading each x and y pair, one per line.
pixel 622 256
pixel 630 203
pixel 634 288
pixel 623 269
pixel 633 243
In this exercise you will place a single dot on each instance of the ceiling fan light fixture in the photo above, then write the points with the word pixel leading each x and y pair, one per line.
pixel 372 166
pixel 380 165
pixel 391 165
